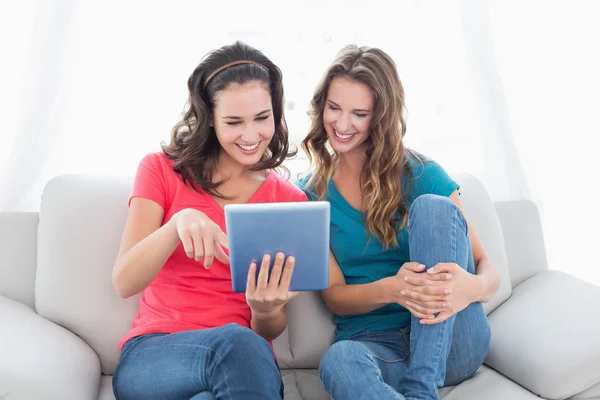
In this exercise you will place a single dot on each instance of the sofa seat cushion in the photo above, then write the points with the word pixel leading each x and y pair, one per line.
pixel 489 385
pixel 106 391
pixel 589 394
pixel 304 384
pixel 545 337
pixel 41 360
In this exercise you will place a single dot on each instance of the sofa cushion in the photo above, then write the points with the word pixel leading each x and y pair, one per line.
pixel 41 360
pixel 106 390
pixel 291 391
pixel 304 384
pixel 489 385
pixel 80 228
pixel 310 329
pixel 523 238
pixel 591 393
pixel 545 337
pixel 281 346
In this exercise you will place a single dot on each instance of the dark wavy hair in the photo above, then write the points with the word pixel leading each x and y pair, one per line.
pixel 194 146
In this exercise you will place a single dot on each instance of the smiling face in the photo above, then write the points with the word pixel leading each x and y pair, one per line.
pixel 243 122
pixel 347 115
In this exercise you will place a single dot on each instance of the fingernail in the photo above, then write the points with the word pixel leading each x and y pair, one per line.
pixel 447 291
pixel 406 278
pixel 421 266
pixel 448 277
pixel 408 303
pixel 402 292
pixel 291 259
pixel 422 322
pixel 430 317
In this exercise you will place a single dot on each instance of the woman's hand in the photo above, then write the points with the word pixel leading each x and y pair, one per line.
pixel 423 303
pixel 200 236
pixel 266 295
pixel 460 287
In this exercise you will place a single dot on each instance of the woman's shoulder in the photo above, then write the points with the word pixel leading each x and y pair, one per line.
pixel 421 166
pixel 159 164
pixel 157 158
pixel 427 176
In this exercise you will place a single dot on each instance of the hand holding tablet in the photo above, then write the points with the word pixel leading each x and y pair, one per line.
pixel 299 230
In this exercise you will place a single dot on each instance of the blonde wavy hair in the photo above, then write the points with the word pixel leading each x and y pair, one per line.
pixel 384 201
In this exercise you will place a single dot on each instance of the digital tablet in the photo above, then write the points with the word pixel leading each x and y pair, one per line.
pixel 299 229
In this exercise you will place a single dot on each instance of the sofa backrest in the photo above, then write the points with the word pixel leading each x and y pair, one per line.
pixel 81 222
pixel 523 238
pixel 80 225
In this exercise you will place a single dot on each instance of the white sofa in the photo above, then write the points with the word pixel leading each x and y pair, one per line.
pixel 60 318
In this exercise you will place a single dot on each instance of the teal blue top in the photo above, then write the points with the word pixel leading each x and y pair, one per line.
pixel 364 261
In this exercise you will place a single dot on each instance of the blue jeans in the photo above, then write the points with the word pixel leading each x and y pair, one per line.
pixel 229 362
pixel 413 362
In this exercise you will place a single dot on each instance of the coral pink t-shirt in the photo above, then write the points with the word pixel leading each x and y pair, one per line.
pixel 185 295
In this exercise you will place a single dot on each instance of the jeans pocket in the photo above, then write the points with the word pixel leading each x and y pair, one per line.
pixel 389 347
pixel 397 345
pixel 405 333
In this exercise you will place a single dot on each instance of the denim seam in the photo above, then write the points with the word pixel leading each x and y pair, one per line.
pixel 219 365
pixel 228 389
pixel 379 372
pixel 454 234
pixel 327 389
pixel 437 358
pixel 444 331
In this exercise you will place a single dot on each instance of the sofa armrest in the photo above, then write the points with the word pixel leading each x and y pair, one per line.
pixel 545 337
pixel 18 256
pixel 41 360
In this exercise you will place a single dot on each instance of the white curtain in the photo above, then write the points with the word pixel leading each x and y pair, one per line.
pixel 35 74
pixel 548 56
pixel 506 90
